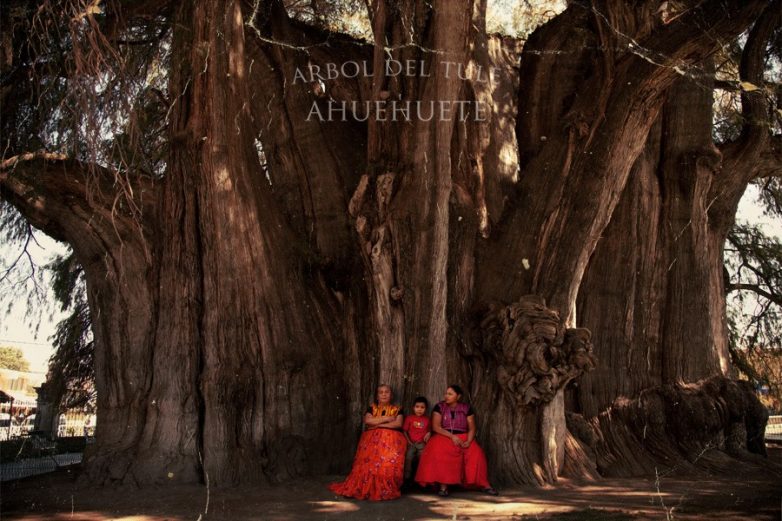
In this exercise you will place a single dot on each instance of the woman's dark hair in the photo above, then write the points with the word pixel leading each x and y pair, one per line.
pixel 422 400
pixel 457 389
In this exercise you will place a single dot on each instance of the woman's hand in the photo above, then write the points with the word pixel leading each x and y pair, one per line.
pixel 390 422
pixel 466 444
pixel 456 440
pixel 427 436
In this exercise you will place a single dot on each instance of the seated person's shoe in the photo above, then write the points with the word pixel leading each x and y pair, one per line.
pixel 443 492
pixel 491 491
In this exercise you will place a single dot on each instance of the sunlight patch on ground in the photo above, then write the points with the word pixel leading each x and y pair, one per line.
pixel 330 507
pixel 620 492
pixel 469 508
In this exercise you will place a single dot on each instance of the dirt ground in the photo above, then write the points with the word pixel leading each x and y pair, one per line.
pixel 59 497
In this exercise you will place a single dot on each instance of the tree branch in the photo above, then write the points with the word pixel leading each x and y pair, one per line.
pixel 23 253
pixel 759 274
pixel 57 195
pixel 751 155
pixel 731 86
pixel 21 194
pixel 125 10
pixel 769 161
pixel 594 145
pixel 10 163
pixel 753 101
pixel 609 124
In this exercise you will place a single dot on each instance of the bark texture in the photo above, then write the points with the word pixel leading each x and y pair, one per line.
pixel 710 426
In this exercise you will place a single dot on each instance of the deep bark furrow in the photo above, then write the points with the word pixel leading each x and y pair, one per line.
pixel 620 298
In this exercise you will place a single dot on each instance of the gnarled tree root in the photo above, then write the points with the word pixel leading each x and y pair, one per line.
pixel 713 426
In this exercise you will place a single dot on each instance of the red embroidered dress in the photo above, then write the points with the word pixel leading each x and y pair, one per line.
pixel 448 464
pixel 378 467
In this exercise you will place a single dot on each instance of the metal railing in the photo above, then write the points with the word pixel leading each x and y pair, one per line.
pixel 38 454
pixel 26 467
pixel 774 428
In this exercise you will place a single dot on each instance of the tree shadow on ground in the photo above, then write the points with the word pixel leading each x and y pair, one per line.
pixel 590 514
pixel 59 497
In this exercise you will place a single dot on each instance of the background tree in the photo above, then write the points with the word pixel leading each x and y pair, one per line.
pixel 13 358
pixel 754 273
pixel 235 251
pixel 753 253
pixel 71 376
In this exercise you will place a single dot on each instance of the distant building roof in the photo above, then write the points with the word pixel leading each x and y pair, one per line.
pixel 20 383
pixel 33 376
pixel 20 398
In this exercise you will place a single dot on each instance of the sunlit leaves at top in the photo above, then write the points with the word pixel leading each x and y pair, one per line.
pixel 520 17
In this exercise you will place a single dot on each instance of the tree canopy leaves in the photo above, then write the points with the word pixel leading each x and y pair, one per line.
pixel 13 358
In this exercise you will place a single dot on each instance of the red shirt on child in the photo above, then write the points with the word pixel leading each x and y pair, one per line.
pixel 416 427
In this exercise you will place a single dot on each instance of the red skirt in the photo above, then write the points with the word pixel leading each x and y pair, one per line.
pixel 378 467
pixel 443 462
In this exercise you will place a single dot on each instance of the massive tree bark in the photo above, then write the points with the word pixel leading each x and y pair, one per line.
pixel 666 292
pixel 247 303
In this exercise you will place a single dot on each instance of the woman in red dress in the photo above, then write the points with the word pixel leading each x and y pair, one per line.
pixel 380 458
pixel 452 456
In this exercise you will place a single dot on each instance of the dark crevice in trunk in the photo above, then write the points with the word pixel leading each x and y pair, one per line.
pixel 200 366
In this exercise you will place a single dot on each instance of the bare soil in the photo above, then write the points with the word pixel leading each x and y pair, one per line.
pixel 59 496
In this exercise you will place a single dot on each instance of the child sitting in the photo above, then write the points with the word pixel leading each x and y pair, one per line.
pixel 417 431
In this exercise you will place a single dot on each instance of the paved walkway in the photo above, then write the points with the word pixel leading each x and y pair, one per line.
pixel 33 466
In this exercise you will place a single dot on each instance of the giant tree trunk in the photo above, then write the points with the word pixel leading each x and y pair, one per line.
pixel 648 284
pixel 243 318
pixel 230 269
pixel 570 187
pixel 654 289
pixel 207 357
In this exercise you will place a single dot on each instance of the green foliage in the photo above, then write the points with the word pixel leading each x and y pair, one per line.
pixel 13 358
pixel 94 90
pixel 753 258
pixel 340 16
pixel 100 96
pixel 753 264
pixel 72 367
pixel 519 18
pixel 76 89
pixel 66 276
pixel 771 196
pixel 23 282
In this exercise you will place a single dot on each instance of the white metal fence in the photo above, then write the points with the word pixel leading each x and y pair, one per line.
pixel 25 467
pixel 774 428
